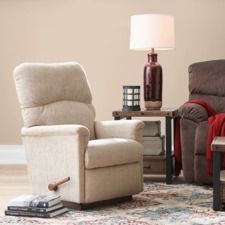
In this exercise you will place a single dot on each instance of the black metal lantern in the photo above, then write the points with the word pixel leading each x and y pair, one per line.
pixel 131 98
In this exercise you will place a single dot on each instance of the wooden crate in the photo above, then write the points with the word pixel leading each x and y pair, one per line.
pixel 153 145
pixel 152 129
pixel 156 165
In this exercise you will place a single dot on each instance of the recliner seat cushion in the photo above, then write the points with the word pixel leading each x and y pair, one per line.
pixel 112 152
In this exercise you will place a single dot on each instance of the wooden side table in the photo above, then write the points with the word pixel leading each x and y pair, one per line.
pixel 218 147
pixel 169 114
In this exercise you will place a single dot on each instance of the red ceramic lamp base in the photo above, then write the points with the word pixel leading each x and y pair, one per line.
pixel 153 83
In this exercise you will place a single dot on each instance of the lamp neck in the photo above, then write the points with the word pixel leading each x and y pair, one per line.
pixel 152 57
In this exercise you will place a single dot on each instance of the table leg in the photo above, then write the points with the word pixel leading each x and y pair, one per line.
pixel 216 181
pixel 169 162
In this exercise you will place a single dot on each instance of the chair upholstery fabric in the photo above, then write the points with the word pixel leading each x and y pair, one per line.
pixel 111 152
pixel 113 182
pixel 119 129
pixel 206 82
pixel 103 159
pixel 47 91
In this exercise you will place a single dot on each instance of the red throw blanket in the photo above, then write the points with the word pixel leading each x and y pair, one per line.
pixel 216 128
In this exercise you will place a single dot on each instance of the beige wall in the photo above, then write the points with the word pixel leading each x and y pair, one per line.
pixel 96 33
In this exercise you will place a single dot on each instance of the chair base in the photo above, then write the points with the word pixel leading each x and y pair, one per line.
pixel 83 206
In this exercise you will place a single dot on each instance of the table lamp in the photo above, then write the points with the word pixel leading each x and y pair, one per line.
pixel 150 32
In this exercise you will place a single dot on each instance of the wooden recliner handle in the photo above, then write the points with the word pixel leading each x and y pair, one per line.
pixel 54 186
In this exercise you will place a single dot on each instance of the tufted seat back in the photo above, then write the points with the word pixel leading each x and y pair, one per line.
pixel 54 94
pixel 207 82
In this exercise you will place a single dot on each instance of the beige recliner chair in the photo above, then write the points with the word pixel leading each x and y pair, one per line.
pixel 61 138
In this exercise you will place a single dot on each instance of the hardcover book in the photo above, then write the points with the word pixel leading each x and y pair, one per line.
pixel 35 209
pixel 36 214
pixel 41 201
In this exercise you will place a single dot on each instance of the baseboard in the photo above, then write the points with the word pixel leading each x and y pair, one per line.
pixel 12 154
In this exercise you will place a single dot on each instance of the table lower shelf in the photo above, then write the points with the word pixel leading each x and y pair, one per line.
pixel 155 165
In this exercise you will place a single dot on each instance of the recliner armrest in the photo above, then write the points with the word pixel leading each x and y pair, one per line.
pixel 130 129
pixel 54 152
pixel 194 112
pixel 55 130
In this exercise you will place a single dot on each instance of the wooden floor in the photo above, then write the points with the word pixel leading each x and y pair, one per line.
pixel 13 182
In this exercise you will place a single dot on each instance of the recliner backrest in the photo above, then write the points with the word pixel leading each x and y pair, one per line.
pixel 54 94
pixel 207 82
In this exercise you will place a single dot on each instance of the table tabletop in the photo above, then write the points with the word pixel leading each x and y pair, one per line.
pixel 163 112
pixel 218 144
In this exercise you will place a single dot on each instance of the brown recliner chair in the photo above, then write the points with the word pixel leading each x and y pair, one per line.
pixel 206 82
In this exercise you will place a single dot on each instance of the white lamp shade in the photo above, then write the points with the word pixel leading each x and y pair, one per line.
pixel 152 31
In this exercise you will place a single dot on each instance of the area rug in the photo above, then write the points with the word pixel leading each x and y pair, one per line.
pixel 158 204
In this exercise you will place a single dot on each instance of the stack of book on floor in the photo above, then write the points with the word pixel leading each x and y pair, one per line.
pixel 45 206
